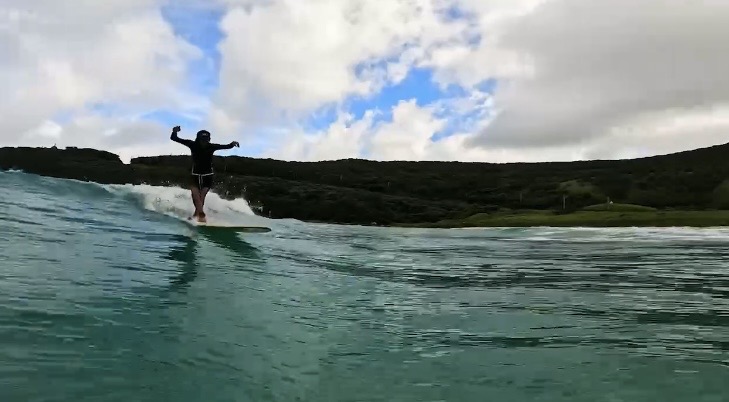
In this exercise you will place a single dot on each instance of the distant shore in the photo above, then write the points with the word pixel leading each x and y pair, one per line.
pixel 689 188
pixel 658 218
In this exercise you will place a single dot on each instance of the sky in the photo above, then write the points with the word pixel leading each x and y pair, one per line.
pixel 308 80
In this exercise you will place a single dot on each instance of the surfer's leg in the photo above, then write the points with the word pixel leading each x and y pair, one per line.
pixel 196 201
pixel 195 193
pixel 205 184
pixel 203 194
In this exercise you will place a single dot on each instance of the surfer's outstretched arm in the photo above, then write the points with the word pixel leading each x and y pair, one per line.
pixel 175 138
pixel 227 146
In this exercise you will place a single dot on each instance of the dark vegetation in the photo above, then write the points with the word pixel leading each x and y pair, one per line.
pixel 366 192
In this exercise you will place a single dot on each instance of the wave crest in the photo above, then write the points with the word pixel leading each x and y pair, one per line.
pixel 176 202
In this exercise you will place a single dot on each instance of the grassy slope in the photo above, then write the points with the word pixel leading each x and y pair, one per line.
pixel 591 218
pixel 619 208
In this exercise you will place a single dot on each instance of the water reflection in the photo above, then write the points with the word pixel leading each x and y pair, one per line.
pixel 186 252
pixel 230 240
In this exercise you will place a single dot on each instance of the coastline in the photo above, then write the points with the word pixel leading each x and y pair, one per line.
pixel 687 189
pixel 595 219
pixel 596 216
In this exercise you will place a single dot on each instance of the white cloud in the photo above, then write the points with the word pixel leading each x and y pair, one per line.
pixel 127 138
pixel 65 60
pixel 342 139
pixel 407 137
pixel 290 57
pixel 410 136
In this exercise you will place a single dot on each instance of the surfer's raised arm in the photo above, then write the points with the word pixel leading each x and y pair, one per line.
pixel 175 138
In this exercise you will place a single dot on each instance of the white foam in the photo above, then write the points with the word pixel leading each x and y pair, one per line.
pixel 177 202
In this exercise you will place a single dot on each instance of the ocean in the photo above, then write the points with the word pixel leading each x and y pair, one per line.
pixel 108 294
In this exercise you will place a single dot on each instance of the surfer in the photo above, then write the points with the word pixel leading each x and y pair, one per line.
pixel 202 166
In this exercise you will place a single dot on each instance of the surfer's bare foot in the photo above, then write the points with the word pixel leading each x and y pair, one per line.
pixel 201 217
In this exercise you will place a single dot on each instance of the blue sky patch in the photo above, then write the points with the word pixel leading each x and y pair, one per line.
pixel 63 117
pixel 199 26
pixel 418 85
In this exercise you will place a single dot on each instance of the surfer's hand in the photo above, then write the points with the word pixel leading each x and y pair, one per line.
pixel 176 129
pixel 235 144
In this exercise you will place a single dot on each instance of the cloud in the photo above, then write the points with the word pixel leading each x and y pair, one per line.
pixel 483 55
pixel 667 131
pixel 118 57
pixel 411 136
pixel 342 139
pixel 288 58
pixel 402 138
pixel 598 66
pixel 127 138
pixel 512 80
pixel 572 77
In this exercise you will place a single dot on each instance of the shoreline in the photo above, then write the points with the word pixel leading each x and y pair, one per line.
pixel 585 219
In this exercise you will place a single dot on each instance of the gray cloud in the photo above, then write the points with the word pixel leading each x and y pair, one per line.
pixel 603 64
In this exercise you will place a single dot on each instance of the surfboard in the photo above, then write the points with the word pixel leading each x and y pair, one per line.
pixel 233 228
pixel 245 229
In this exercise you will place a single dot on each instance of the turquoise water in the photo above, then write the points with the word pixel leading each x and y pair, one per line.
pixel 106 294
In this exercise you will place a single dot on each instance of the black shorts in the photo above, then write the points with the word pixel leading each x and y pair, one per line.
pixel 202 181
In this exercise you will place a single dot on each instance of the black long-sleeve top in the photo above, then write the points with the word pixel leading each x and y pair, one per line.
pixel 202 153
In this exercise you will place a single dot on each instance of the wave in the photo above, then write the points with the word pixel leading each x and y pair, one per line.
pixel 176 202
